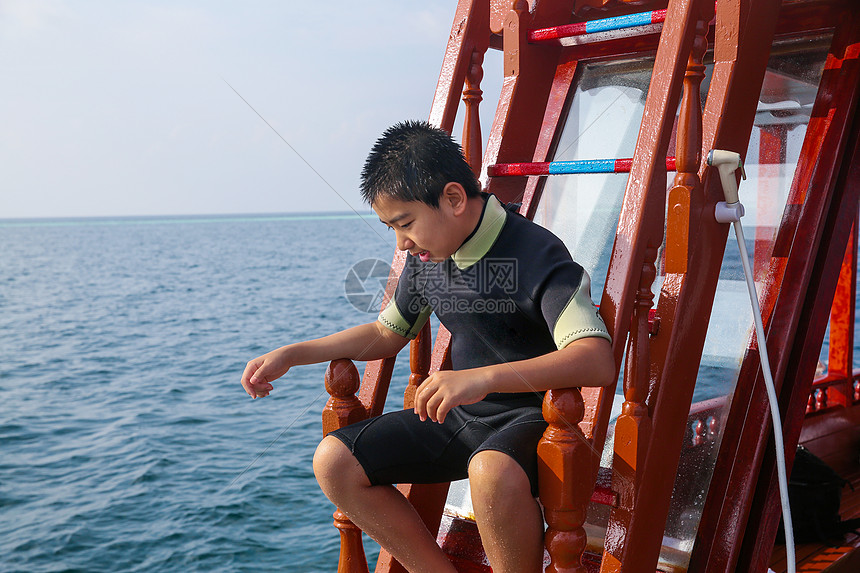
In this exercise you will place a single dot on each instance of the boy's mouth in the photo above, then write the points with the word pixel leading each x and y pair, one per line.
pixel 424 256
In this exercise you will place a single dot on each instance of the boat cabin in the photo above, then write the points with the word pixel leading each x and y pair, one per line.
pixel 608 110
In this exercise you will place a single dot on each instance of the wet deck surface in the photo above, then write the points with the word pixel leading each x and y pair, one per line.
pixel 836 442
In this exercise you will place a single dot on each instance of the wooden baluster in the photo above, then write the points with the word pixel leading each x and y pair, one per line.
pixel 633 428
pixel 419 364
pixel 472 96
pixel 821 399
pixel 634 542
pixel 343 408
pixel 698 433
pixel 567 467
pixel 686 188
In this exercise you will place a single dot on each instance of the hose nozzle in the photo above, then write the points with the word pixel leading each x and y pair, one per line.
pixel 727 162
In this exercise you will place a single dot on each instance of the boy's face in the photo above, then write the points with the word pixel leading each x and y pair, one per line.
pixel 428 233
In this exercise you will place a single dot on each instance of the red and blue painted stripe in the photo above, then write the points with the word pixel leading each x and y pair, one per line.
pixel 602 25
pixel 567 167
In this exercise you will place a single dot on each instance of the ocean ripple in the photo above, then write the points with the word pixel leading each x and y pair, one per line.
pixel 127 441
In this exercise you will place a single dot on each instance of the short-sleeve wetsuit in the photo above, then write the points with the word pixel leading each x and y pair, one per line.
pixel 510 292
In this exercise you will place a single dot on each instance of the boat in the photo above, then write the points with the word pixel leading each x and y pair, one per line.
pixel 607 113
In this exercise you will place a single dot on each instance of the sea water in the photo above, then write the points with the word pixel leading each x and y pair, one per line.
pixel 126 440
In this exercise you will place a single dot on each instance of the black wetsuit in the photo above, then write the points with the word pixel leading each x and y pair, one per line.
pixel 510 292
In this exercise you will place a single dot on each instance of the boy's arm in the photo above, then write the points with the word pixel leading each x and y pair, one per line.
pixel 370 341
pixel 584 362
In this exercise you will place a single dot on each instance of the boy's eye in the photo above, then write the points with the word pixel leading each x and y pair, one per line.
pixel 406 226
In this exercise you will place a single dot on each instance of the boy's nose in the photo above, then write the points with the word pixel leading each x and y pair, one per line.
pixel 404 244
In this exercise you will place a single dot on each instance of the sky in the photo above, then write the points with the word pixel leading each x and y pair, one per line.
pixel 121 108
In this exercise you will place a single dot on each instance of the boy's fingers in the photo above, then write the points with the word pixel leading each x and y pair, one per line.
pixel 421 400
pixel 254 380
pixel 266 373
pixel 433 405
pixel 262 375
pixel 249 373
pixel 261 385
pixel 419 408
pixel 442 411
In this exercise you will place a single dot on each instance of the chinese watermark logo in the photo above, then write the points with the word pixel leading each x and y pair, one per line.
pixel 364 284
pixel 483 288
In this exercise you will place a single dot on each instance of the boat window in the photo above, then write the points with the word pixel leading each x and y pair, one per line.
pixel 785 105
pixel 784 108
pixel 603 123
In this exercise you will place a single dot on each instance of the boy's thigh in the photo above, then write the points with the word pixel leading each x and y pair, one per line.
pixel 399 448
pixel 518 439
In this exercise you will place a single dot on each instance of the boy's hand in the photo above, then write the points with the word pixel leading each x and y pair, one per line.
pixel 261 371
pixel 445 389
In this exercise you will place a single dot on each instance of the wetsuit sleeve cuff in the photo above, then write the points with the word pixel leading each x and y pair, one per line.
pixel 392 319
pixel 579 319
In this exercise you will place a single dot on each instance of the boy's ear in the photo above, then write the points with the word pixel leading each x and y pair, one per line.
pixel 454 197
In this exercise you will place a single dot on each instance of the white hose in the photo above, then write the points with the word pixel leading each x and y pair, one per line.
pixel 728 162
pixel 774 405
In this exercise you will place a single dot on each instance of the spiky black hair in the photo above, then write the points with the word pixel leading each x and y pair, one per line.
pixel 413 161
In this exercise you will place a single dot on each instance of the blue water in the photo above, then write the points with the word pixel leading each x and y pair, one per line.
pixel 128 443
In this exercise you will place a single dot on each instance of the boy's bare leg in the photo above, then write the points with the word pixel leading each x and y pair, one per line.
pixel 380 511
pixel 509 519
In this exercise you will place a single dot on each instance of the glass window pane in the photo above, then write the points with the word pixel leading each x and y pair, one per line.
pixel 785 104
pixel 603 123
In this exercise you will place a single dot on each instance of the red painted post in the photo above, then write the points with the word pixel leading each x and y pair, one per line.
pixel 567 467
pixel 686 190
pixel 635 543
pixel 419 364
pixel 841 353
pixel 472 96
pixel 342 409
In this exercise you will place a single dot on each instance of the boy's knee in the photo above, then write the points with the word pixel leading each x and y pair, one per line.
pixel 333 463
pixel 494 474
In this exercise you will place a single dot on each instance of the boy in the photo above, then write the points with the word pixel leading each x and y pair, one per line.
pixel 522 322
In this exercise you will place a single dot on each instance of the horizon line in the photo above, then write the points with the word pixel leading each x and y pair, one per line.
pixel 180 218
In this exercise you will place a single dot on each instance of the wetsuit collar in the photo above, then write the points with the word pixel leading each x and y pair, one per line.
pixel 484 236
